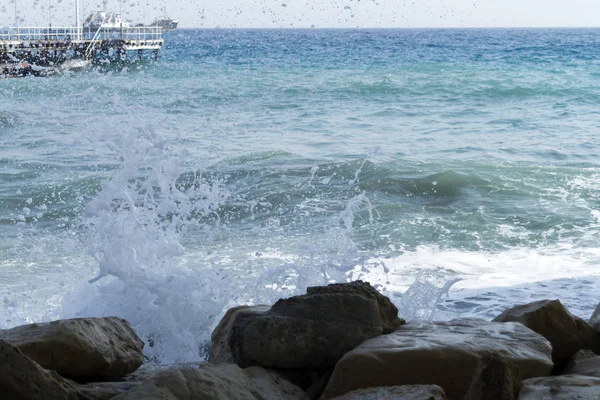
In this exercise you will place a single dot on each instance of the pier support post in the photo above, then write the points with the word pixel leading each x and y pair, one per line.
pixel 155 55
pixel 140 54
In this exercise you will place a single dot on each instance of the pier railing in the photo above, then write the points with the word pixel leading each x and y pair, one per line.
pixel 22 34
pixel 74 34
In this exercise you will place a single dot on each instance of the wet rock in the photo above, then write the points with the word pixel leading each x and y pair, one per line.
pixel 23 379
pixel 496 379
pixel 567 333
pixel 387 310
pixel 220 351
pixel 563 387
pixel 413 392
pixel 313 382
pixel 215 382
pixel 104 390
pixel 306 332
pixel 585 362
pixel 595 319
pixel 84 349
pixel 445 354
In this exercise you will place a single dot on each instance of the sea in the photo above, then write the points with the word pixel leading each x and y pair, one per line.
pixel 456 170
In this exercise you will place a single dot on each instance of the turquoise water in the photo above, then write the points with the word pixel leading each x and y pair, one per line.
pixel 249 164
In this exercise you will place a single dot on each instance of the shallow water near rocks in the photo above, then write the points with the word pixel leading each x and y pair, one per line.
pixel 456 170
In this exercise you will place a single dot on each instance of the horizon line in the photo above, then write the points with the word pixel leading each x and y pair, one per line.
pixel 388 27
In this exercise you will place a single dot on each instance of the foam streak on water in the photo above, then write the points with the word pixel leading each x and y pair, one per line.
pixel 456 170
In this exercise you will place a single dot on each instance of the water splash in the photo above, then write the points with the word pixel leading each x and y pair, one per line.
pixel 134 229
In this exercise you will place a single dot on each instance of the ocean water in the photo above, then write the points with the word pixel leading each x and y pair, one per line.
pixel 456 170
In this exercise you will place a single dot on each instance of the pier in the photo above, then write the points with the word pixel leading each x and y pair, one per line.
pixel 23 49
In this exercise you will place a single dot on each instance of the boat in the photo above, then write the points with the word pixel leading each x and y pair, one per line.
pixel 104 19
pixel 165 23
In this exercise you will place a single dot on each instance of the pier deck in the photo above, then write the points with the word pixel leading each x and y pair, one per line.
pixel 50 45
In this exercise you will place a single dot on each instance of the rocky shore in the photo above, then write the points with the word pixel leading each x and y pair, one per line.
pixel 342 341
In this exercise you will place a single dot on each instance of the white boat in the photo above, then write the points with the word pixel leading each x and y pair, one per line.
pixel 165 23
pixel 104 19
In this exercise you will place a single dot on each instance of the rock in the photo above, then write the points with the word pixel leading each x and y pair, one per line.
pixel 444 354
pixel 585 362
pixel 307 332
pixel 23 379
pixel 567 333
pixel 105 390
pixel 313 382
pixel 220 351
pixel 84 349
pixel 563 387
pixel 496 379
pixel 387 310
pixel 595 319
pixel 412 392
pixel 215 382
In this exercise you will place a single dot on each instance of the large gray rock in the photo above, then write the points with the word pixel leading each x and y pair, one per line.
pixel 220 350
pixel 564 387
pixel 104 390
pixel 496 379
pixel 306 332
pixel 595 319
pixel 387 310
pixel 215 382
pixel 23 379
pixel 444 354
pixel 411 392
pixel 585 362
pixel 567 333
pixel 84 349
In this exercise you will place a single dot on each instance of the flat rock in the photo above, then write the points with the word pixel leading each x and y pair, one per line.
pixel 410 392
pixel 567 333
pixel 215 382
pixel 307 332
pixel 563 387
pixel 445 354
pixel 84 349
pixel 585 362
pixel 23 379
pixel 595 319
pixel 104 390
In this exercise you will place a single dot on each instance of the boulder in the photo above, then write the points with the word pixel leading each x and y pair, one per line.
pixel 104 390
pixel 563 387
pixel 496 379
pixel 307 332
pixel 220 351
pixel 387 310
pixel 84 349
pixel 567 333
pixel 23 379
pixel 215 382
pixel 409 392
pixel 446 354
pixel 585 362
pixel 595 319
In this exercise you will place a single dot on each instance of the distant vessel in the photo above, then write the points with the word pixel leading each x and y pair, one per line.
pixel 103 19
pixel 165 23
